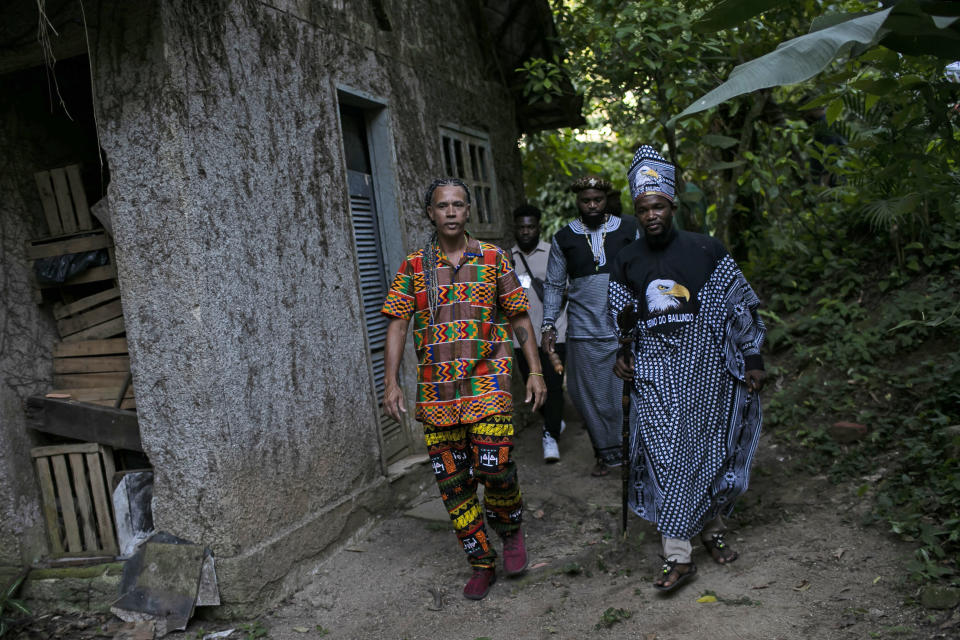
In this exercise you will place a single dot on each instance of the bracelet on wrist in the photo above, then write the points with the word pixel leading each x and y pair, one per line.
pixel 536 373
pixel 547 327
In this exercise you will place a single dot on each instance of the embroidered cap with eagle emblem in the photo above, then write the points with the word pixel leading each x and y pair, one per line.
pixel 650 173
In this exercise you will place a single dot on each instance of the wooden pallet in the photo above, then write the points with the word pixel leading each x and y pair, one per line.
pixel 77 242
pixel 64 200
pixel 96 316
pixel 75 486
pixel 93 371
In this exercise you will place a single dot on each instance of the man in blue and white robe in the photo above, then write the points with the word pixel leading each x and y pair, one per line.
pixel 691 320
pixel 580 257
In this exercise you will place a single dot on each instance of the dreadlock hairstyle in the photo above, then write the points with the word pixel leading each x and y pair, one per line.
pixel 432 247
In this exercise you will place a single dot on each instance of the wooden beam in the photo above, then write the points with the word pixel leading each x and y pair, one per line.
pixel 109 346
pixel 106 425
pixel 101 501
pixel 49 202
pixel 67 508
pixel 92 364
pixel 62 192
pixel 90 318
pixel 61 311
pixel 107 329
pixel 88 380
pixel 97 395
pixel 48 249
pixel 49 505
pixel 79 197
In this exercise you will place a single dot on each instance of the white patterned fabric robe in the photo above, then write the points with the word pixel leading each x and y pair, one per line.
pixel 695 425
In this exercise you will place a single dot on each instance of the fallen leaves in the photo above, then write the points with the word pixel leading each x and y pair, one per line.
pixel 803 585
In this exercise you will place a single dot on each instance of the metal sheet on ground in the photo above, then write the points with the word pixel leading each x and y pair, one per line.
pixel 162 579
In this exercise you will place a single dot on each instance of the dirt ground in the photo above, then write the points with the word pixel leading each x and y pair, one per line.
pixel 807 569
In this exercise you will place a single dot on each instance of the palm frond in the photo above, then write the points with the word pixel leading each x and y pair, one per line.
pixel 884 214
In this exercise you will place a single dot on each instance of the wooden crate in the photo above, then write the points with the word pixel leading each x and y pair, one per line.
pixel 96 316
pixel 76 242
pixel 76 491
pixel 92 371
pixel 64 200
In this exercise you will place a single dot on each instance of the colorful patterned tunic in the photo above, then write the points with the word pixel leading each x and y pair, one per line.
pixel 465 358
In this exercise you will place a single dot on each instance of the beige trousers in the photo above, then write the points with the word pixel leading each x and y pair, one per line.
pixel 681 550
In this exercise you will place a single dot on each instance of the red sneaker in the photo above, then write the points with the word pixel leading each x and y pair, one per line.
pixel 479 584
pixel 514 554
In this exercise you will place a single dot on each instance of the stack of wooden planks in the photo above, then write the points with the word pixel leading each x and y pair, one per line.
pixel 91 362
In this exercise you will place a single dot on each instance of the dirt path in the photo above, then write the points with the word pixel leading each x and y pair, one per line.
pixel 807 569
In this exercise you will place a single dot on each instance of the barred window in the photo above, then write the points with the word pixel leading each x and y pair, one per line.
pixel 466 155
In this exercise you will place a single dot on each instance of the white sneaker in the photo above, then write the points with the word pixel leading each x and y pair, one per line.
pixel 551 452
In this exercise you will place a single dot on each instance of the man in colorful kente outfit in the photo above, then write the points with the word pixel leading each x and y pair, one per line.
pixel 682 304
pixel 581 253
pixel 464 297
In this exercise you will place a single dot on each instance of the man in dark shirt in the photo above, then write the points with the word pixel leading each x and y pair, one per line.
pixel 682 304
pixel 581 254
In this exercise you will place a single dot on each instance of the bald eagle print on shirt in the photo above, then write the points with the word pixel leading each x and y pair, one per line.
pixel 669 304
pixel 663 295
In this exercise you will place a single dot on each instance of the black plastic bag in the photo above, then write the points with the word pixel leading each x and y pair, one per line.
pixel 57 269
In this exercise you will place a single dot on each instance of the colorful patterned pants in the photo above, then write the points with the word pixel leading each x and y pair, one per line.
pixel 463 455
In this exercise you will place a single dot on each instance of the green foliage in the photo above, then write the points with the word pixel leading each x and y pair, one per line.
pixel 878 344
pixel 611 617
pixel 544 79
pixel 552 161
pixel 10 607
pixel 253 630
pixel 906 27
pixel 840 199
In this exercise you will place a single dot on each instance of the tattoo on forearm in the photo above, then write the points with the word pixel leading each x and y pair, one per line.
pixel 521 336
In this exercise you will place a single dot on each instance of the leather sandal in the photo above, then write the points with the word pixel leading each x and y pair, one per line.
pixel 670 569
pixel 719 551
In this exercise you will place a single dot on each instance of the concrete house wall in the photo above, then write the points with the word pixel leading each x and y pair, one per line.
pixel 219 122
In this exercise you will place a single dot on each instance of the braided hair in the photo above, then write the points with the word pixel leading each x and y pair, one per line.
pixel 432 247
pixel 443 182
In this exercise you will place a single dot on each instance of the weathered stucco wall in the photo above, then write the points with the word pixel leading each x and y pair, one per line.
pixel 30 140
pixel 234 246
